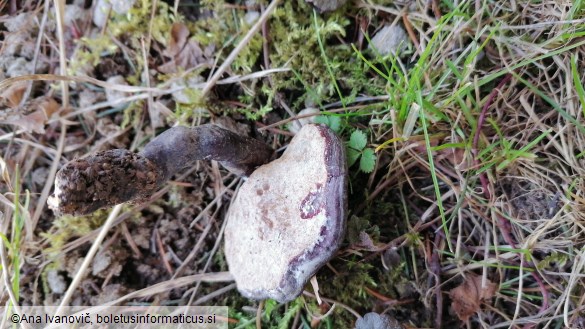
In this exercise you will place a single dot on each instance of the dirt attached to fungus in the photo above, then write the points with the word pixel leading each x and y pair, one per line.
pixel 104 179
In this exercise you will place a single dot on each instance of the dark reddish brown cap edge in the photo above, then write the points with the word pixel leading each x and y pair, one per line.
pixel 333 231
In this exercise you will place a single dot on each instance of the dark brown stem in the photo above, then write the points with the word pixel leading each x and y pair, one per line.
pixel 110 177
pixel 180 147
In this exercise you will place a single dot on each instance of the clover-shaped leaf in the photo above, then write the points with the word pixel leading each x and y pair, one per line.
pixel 368 160
pixel 331 121
pixel 358 140
pixel 356 149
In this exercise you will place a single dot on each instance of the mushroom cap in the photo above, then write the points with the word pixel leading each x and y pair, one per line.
pixel 288 218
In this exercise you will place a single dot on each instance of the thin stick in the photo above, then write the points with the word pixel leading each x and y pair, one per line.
pixel 332 301
pixel 259 315
pixel 172 284
pixel 37 51
pixel 80 275
pixel 163 254
pixel 480 122
pixel 64 78
pixel 215 293
pixel 228 61
pixel 50 178
pixel 193 252
pixel 59 15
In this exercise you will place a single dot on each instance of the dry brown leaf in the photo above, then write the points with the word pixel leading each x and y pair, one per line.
pixel 366 242
pixel 184 52
pixel 48 106
pixel 467 297
pixel 43 108
pixel 12 96
pixel 179 35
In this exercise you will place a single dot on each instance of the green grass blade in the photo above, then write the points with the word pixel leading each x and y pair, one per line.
pixel 324 56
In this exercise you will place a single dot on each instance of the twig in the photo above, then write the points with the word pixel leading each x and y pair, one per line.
pixel 81 79
pixel 50 178
pixel 80 275
pixel 411 33
pixel 163 254
pixel 171 284
pixel 194 251
pixel 209 259
pixel 130 240
pixel 259 315
pixel 37 50
pixel 332 301
pixel 436 9
pixel 59 15
pixel 215 293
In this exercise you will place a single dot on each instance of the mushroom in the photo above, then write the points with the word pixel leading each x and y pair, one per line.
pixel 288 218
pixel 286 221
pixel 110 177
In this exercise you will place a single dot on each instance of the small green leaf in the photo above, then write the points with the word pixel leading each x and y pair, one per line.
pixel 323 119
pixel 368 160
pixel 331 121
pixel 335 123
pixel 358 140
pixel 352 156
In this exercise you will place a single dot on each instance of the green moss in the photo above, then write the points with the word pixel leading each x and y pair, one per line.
pixel 139 22
pixel 90 53
pixel 553 261
pixel 133 113
pixel 68 227
pixel 293 42
pixel 131 29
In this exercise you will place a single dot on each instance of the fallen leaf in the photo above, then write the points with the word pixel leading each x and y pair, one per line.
pixel 467 297
pixel 179 35
pixel 48 106
pixel 43 108
pixel 12 95
pixel 184 52
pixel 366 242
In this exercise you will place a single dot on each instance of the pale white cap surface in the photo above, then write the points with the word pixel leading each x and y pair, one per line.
pixel 288 218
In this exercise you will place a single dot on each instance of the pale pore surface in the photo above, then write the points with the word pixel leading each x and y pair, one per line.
pixel 265 231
